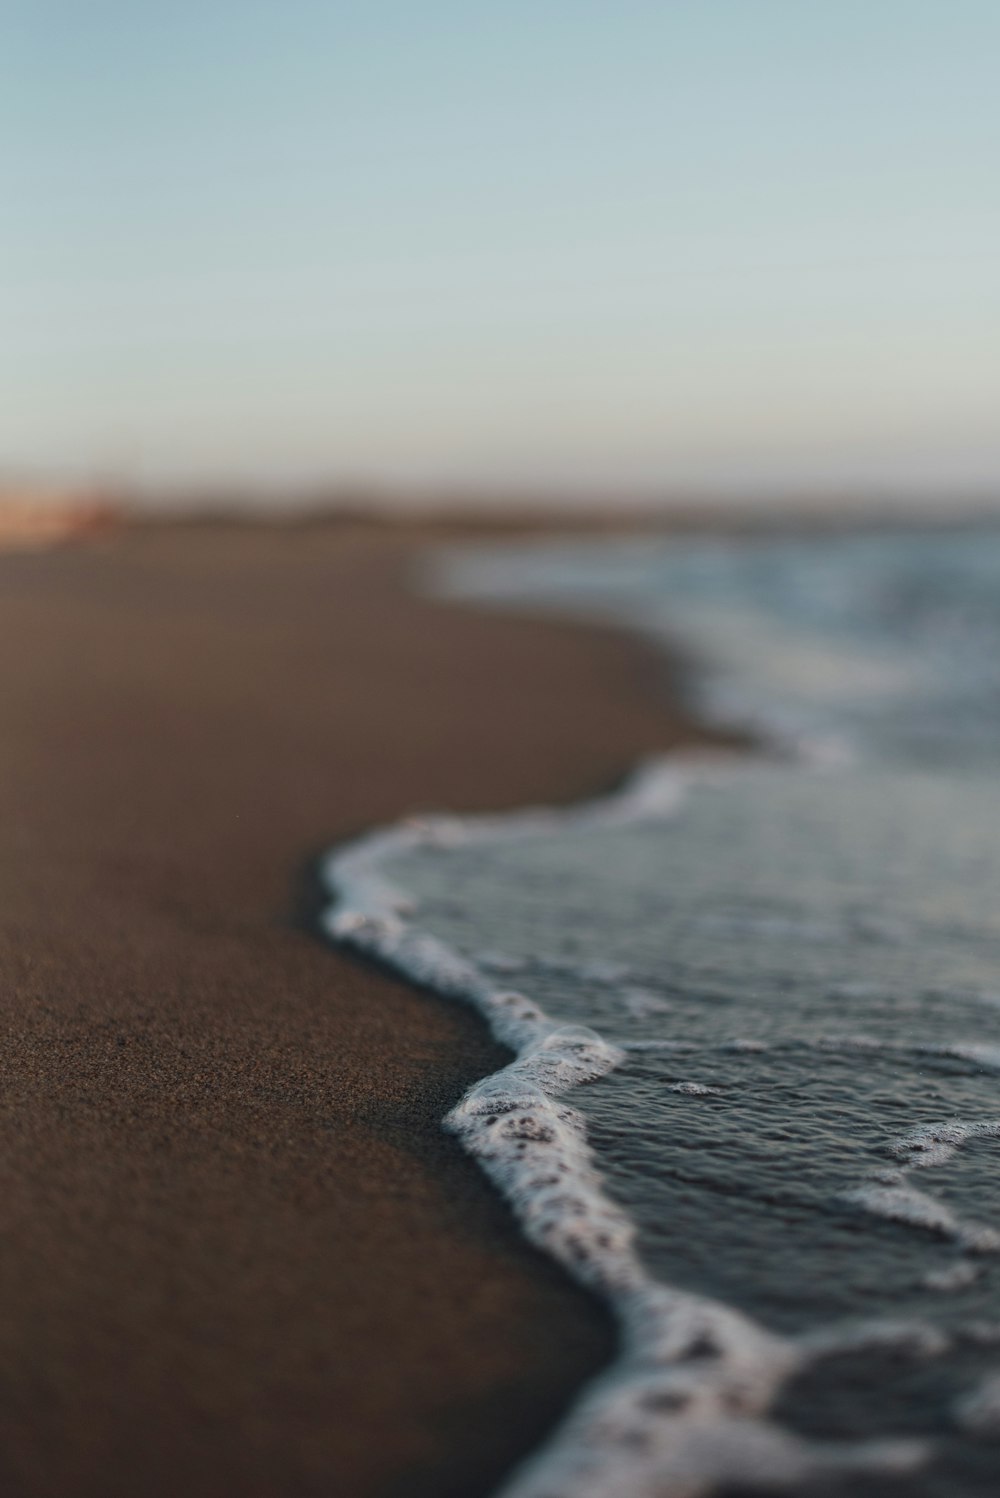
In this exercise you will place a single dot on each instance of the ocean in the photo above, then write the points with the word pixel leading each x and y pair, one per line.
pixel 754 1005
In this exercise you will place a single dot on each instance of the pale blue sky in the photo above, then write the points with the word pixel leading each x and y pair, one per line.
pixel 564 243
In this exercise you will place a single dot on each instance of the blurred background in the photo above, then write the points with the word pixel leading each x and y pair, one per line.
pixel 579 252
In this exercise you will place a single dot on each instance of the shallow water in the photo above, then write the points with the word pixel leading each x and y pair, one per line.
pixel 791 972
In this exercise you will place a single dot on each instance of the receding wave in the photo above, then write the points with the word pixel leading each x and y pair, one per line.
pixel 778 977
pixel 684 1408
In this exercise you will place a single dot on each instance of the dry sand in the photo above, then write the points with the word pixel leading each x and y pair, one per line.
pixel 239 1257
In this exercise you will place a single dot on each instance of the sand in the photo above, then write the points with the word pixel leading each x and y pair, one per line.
pixel 239 1256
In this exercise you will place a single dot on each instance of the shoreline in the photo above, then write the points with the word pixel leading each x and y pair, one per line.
pixel 243 1255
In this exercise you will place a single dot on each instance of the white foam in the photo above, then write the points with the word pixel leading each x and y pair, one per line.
pixel 958 1275
pixel 978 1412
pixel 640 1003
pixel 916 1339
pixel 934 1143
pixel 684 1408
pixel 905 1204
pixel 981 1054
pixel 500 962
pixel 984 1055
pixel 981 1332
pixel 890 1194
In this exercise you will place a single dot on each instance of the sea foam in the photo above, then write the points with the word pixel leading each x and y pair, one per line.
pixel 842 656
pixel 684 1409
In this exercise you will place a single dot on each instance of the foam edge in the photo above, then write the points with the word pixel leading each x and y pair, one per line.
pixel 683 1409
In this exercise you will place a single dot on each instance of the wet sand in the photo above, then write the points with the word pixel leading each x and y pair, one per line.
pixel 237 1254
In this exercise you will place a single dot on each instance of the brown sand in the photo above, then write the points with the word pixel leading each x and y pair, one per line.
pixel 239 1257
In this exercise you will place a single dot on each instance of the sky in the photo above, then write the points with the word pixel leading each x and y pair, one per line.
pixel 570 246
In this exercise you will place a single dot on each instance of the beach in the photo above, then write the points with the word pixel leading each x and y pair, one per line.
pixel 239 1253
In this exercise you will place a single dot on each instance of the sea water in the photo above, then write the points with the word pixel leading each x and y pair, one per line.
pixel 755 1008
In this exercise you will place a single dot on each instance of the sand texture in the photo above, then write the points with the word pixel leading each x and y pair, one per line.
pixel 238 1254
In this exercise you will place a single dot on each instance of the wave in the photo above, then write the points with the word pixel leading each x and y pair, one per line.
pixel 684 1410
